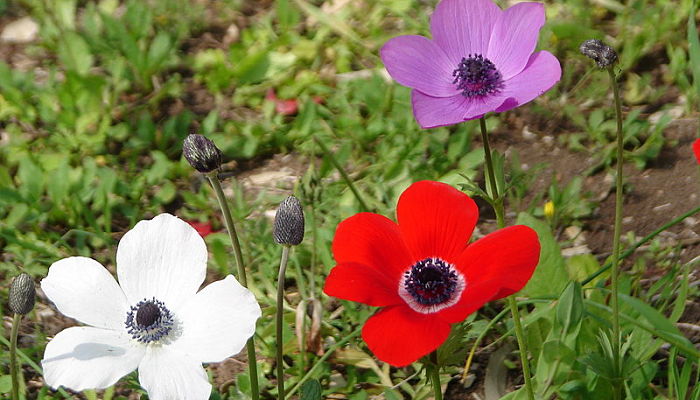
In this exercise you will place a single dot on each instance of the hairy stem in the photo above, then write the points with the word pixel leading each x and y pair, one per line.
pixel 500 214
pixel 231 228
pixel 280 313
pixel 14 370
pixel 617 387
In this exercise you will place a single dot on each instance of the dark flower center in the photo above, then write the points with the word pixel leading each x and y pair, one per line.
pixel 477 76
pixel 431 281
pixel 149 321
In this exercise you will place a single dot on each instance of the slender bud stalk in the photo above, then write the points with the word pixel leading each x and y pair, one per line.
pixel 288 231
pixel 205 157
pixel 614 271
pixel 233 236
pixel 22 295
pixel 605 57
pixel 279 321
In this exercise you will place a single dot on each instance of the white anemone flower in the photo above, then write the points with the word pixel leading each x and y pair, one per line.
pixel 154 319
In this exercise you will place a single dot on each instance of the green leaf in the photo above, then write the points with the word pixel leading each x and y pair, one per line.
pixel 570 308
pixel 5 383
pixel 311 390
pixel 159 50
pixel 74 53
pixel 550 276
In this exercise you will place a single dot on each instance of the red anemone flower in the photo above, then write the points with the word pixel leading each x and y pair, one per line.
pixel 423 271
pixel 696 149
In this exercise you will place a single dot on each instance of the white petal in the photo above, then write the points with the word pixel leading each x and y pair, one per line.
pixel 83 289
pixel 218 321
pixel 163 258
pixel 84 357
pixel 168 375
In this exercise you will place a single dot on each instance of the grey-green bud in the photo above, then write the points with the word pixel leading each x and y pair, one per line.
pixel 22 294
pixel 599 52
pixel 289 222
pixel 201 153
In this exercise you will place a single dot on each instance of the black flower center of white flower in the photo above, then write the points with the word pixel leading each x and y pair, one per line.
pixel 431 285
pixel 477 76
pixel 149 321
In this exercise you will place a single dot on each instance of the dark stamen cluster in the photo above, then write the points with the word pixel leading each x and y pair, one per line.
pixel 149 321
pixel 431 281
pixel 477 76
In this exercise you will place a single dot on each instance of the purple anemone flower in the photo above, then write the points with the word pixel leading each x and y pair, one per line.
pixel 480 60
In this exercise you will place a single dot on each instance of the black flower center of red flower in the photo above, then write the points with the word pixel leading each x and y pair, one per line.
pixel 149 321
pixel 431 281
pixel 477 76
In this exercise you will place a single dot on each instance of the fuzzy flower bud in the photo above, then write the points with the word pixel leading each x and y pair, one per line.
pixel 289 222
pixel 599 52
pixel 22 294
pixel 201 153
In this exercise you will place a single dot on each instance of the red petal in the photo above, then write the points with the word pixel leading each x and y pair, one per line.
pixel 508 257
pixel 436 220
pixel 371 240
pixel 473 298
pixel 696 149
pixel 286 107
pixel 203 228
pixel 361 283
pixel 400 336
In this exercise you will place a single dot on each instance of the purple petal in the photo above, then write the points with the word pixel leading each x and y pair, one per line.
pixel 431 112
pixel 477 107
pixel 539 75
pixel 463 27
pixel 514 37
pixel 418 63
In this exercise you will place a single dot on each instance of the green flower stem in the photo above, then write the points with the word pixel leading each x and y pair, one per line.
pixel 231 228
pixel 14 370
pixel 433 371
pixel 344 174
pixel 617 387
pixel 500 214
pixel 280 313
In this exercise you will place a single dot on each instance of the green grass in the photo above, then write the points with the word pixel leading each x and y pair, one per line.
pixel 91 144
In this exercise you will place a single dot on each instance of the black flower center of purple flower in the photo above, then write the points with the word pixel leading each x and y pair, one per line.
pixel 476 76
pixel 149 321
pixel 431 281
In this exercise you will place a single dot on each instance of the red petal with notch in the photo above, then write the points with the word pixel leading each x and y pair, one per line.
pixel 508 256
pixel 436 220
pixel 696 149
pixel 399 336
pixel 363 284
pixel 372 240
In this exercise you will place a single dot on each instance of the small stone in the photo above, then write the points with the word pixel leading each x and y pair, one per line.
pixel 23 30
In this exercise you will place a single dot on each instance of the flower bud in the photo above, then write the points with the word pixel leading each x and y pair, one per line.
pixel 599 52
pixel 549 209
pixel 22 294
pixel 289 222
pixel 201 153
